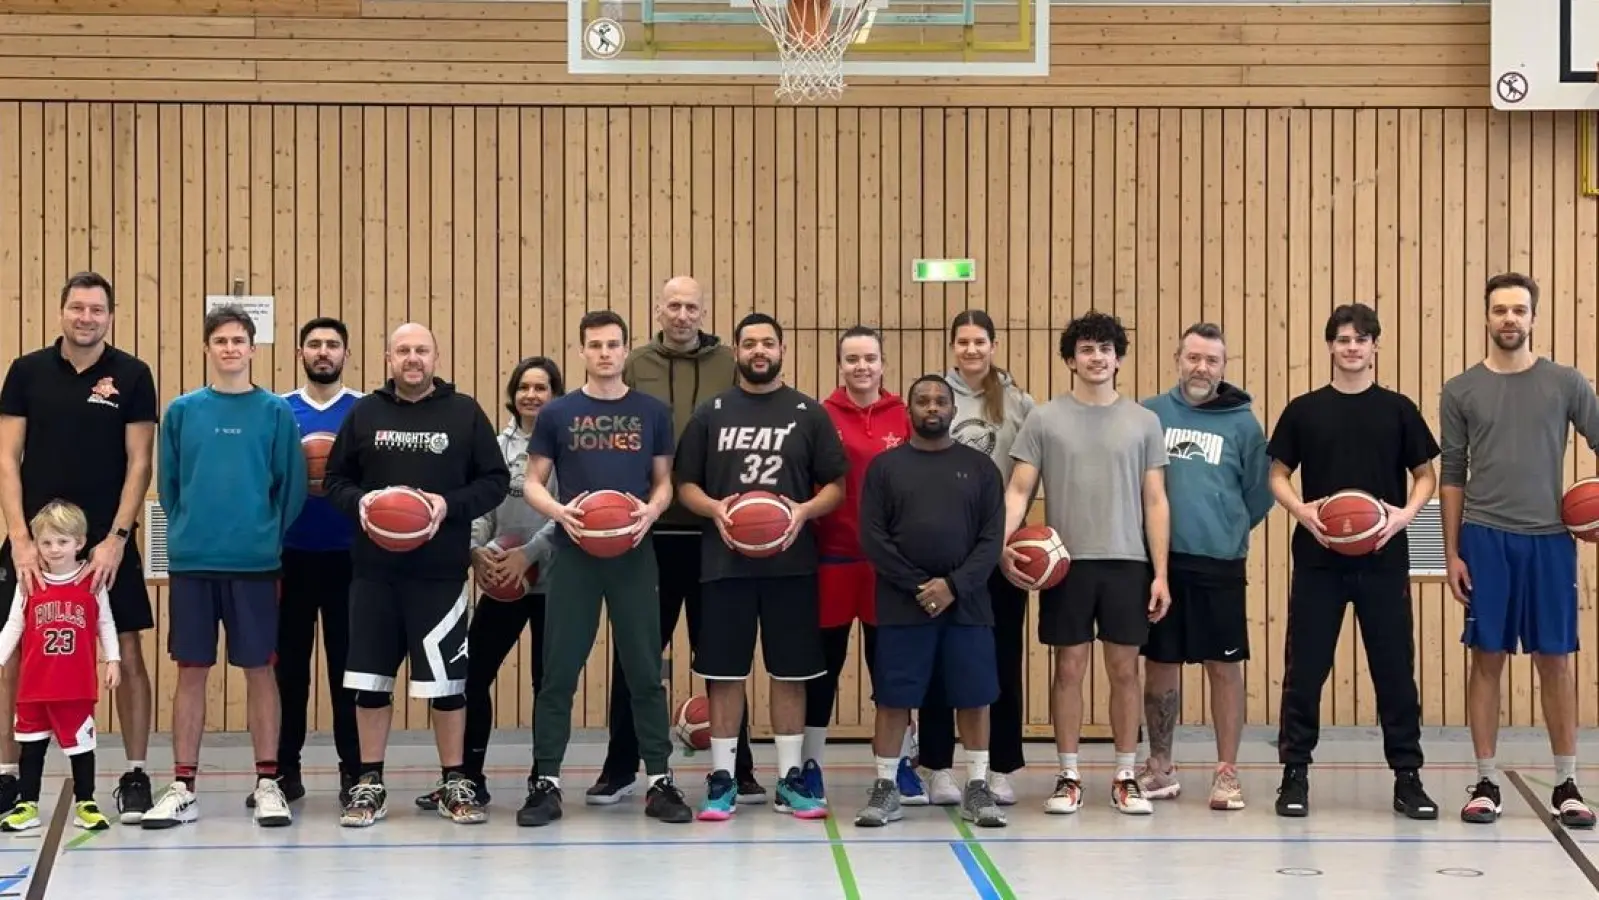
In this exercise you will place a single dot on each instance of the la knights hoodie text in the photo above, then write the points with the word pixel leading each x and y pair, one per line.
pixel 681 379
pixel 441 444
pixel 865 432
pixel 1216 476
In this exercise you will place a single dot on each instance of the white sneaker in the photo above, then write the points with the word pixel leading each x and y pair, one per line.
pixel 1004 791
pixel 942 789
pixel 271 807
pixel 176 805
pixel 1068 796
pixel 1127 797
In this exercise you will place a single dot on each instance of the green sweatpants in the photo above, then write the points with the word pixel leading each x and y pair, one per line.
pixel 629 587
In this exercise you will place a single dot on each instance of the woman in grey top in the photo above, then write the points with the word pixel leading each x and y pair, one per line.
pixel 497 624
pixel 989 410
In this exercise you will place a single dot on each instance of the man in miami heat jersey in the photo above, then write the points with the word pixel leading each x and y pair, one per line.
pixel 56 628
pixel 760 435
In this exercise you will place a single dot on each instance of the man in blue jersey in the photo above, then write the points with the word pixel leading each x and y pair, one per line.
pixel 316 572
pixel 232 478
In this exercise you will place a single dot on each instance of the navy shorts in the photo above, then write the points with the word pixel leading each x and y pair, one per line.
pixel 1523 591
pixel 246 607
pixel 909 657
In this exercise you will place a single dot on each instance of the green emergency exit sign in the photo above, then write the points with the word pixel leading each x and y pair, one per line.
pixel 944 270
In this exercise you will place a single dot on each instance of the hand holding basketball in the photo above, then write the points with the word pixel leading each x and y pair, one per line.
pixel 440 506
pixel 723 518
pixel 1009 559
pixel 571 517
pixel 644 517
pixel 1309 516
pixel 1398 520
pixel 799 514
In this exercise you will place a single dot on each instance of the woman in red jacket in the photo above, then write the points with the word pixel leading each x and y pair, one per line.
pixel 869 421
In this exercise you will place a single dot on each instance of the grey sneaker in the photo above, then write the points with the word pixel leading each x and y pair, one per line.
pixel 882 806
pixel 979 806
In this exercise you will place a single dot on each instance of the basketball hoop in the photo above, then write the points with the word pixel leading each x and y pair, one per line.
pixel 811 36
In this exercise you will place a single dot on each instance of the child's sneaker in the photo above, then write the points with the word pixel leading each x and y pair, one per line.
pixel 176 805
pixel 86 815
pixel 23 816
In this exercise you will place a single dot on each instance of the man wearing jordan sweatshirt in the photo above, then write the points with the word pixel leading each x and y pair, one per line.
pixel 1217 487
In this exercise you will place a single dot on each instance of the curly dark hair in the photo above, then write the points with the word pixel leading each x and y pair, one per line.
pixel 1096 328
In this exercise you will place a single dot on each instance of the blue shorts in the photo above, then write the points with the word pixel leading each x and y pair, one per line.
pixel 247 608
pixel 1523 590
pixel 961 656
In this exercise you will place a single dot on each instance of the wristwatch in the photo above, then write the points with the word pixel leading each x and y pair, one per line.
pixel 122 533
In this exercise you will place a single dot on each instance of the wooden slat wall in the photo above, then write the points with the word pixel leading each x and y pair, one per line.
pixel 1158 194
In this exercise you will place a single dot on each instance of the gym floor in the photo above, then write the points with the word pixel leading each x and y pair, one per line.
pixel 1351 845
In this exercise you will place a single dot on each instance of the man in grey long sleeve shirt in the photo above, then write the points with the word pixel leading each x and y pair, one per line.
pixel 1505 422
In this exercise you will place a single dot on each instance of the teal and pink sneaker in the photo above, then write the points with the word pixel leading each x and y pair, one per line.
pixel 721 797
pixel 794 797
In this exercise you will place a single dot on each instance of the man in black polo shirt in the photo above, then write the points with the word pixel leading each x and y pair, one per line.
pixel 77 423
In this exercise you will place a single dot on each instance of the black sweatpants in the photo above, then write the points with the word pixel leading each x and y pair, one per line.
pixel 821 693
pixel 677 557
pixel 935 722
pixel 1316 603
pixel 496 627
pixel 315 583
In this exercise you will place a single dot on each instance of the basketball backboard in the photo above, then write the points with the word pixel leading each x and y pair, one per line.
pixel 1545 54
pixel 938 39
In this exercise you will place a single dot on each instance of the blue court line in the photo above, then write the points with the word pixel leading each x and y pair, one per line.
pixel 974 871
pixel 819 842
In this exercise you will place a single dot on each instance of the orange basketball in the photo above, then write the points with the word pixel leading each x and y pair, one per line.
pixel 760 519
pixel 515 588
pixel 1579 509
pixel 316 446
pixel 691 724
pixel 1045 560
pixel 1352 521
pixel 608 522
pixel 399 519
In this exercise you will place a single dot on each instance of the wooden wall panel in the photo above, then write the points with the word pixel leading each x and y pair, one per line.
pixel 500 227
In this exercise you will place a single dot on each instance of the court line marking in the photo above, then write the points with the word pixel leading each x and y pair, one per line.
pixel 975 871
pixel 980 856
pixel 1041 767
pixel 846 875
pixel 50 851
pixel 1558 831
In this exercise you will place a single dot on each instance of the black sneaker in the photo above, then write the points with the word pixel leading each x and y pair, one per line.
pixel 430 800
pixel 750 790
pixel 608 790
pixel 132 796
pixel 543 804
pixel 369 802
pixel 292 785
pixel 1411 798
pixel 459 801
pixel 1293 795
pixel 1567 806
pixel 1485 804
pixel 665 802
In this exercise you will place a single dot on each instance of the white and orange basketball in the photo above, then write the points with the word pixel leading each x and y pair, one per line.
pixel 691 723
pixel 399 519
pixel 1352 521
pixel 1045 560
pixel 760 520
pixel 1579 509
pixel 608 524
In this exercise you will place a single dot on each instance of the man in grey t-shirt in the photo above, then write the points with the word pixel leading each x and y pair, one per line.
pixel 1102 458
pixel 1505 422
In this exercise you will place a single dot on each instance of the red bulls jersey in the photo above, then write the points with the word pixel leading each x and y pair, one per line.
pixel 53 633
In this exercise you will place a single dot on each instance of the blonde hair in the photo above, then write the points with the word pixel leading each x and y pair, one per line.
pixel 60 517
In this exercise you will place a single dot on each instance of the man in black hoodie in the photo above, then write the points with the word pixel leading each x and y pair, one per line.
pixel 419 432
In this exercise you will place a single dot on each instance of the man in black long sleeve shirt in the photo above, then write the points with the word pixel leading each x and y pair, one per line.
pixel 933 524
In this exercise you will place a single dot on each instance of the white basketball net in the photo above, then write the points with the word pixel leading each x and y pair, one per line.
pixel 813 64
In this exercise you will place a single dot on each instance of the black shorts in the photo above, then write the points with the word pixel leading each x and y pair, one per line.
pixel 1106 599
pixel 422 618
pixel 1208 620
pixel 130 598
pixel 785 613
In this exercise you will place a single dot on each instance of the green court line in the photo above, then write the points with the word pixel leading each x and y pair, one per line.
pixel 82 839
pixel 987 864
pixel 846 875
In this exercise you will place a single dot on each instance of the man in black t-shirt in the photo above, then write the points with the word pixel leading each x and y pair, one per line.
pixel 759 435
pixel 1352 434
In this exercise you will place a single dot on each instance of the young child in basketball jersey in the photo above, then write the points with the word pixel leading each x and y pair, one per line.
pixel 56 629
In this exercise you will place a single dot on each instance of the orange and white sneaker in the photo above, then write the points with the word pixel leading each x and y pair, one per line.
pixel 1068 796
pixel 1225 791
pixel 1159 785
pixel 1127 797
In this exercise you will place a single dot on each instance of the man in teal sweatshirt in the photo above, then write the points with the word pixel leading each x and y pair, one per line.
pixel 232 478
pixel 1218 490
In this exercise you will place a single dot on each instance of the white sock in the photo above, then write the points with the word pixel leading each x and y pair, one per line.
pixel 1068 762
pixel 790 747
pixel 1565 768
pixel 886 768
pixel 1124 764
pixel 135 765
pixel 909 743
pixel 815 744
pixel 724 754
pixel 554 781
pixel 656 778
pixel 8 768
pixel 976 765
pixel 1487 769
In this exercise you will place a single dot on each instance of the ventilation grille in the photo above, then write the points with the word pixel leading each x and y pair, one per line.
pixel 1426 536
pixel 155 541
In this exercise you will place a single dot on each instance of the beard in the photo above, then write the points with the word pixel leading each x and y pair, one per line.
pixel 1510 342
pixel 322 377
pixel 774 368
pixel 932 429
